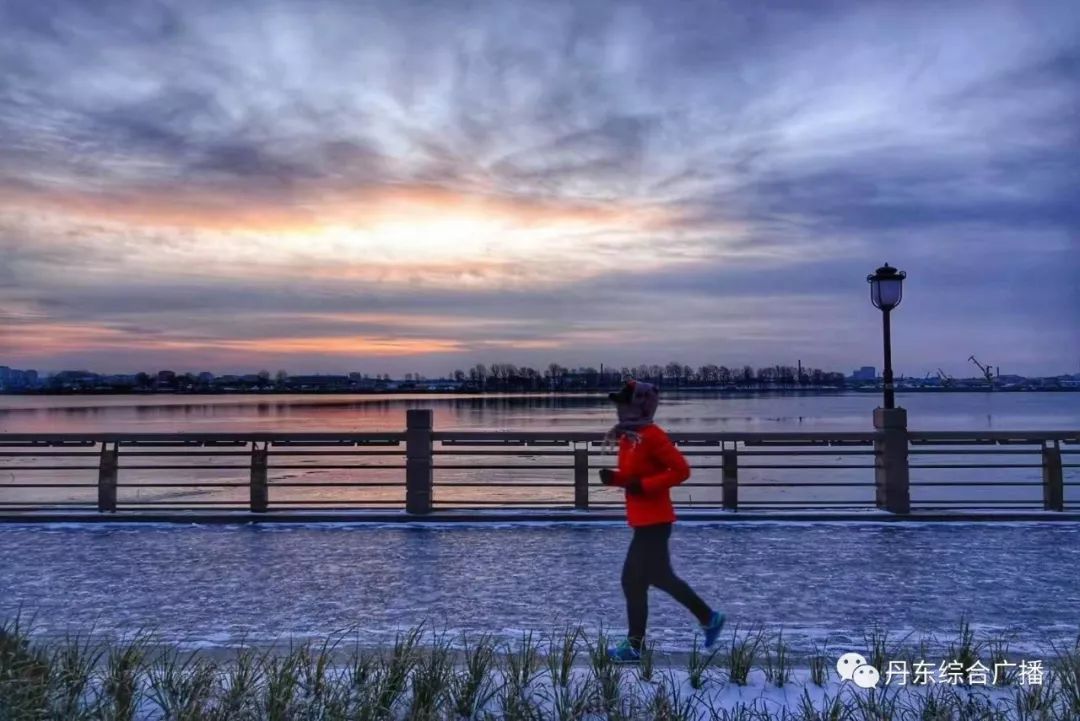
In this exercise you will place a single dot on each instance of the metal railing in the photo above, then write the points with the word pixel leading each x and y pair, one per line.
pixel 421 469
pixel 726 454
pixel 1037 462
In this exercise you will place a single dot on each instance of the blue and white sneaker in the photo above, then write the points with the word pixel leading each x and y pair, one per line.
pixel 624 653
pixel 712 630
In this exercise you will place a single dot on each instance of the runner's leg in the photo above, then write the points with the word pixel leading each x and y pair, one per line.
pixel 635 584
pixel 662 575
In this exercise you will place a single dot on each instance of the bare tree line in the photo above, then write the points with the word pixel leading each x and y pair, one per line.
pixel 506 376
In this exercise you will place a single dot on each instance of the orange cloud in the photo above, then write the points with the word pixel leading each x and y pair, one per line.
pixel 401 320
pixel 175 208
pixel 58 338
pixel 49 338
pixel 313 208
pixel 43 338
pixel 332 345
pixel 531 344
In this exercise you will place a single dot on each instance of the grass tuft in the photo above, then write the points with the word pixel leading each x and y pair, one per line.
pixel 523 663
pixel 599 660
pixel 819 665
pixel 608 682
pixel 25 671
pixel 998 651
pixel 562 656
pixel 239 686
pixel 830 708
pixel 698 664
pixel 778 661
pixel 572 700
pixel 742 654
pixel 648 662
pixel 73 663
pixel 965 649
pixel 282 683
pixel 394 675
pixel 121 690
pixel 1066 671
pixel 182 686
pixel 669 703
pixel 516 703
pixel 431 683
pixel 471 688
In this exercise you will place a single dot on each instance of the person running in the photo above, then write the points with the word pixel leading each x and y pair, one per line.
pixel 649 466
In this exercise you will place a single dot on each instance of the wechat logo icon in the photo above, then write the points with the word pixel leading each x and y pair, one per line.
pixel 853 667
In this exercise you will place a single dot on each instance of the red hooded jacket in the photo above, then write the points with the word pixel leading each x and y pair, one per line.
pixel 657 462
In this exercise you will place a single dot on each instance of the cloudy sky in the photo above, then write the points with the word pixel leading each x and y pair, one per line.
pixel 419 185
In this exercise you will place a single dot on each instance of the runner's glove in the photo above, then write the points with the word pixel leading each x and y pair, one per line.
pixel 633 487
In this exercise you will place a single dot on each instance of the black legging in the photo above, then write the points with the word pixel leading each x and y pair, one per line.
pixel 648 563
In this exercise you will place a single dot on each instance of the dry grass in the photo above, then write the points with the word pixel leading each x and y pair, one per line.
pixel 426 677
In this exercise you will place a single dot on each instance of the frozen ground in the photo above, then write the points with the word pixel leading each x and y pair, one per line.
pixel 219 585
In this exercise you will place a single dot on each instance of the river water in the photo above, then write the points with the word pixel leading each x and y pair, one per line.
pixel 697 412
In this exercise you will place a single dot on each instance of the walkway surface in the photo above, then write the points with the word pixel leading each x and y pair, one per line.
pixel 219 584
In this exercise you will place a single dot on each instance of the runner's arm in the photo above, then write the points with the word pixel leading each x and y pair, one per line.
pixel 676 469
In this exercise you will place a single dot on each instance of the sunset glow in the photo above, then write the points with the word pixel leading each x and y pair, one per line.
pixel 330 188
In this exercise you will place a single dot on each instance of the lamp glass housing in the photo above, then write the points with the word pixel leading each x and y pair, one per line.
pixel 886 293
pixel 886 287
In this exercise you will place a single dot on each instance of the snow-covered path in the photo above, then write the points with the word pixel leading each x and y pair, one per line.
pixel 216 585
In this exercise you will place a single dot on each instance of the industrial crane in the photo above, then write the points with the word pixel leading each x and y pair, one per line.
pixel 946 379
pixel 987 372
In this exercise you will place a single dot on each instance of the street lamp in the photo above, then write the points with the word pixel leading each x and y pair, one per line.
pixel 886 290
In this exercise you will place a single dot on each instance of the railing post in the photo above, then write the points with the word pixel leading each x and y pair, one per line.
pixel 418 461
pixel 891 472
pixel 260 495
pixel 1053 479
pixel 107 473
pixel 730 460
pixel 581 478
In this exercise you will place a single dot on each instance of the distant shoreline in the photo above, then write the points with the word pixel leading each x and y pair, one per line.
pixel 577 392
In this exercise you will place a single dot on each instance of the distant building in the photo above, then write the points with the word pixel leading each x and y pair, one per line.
pixel 360 381
pixel 16 379
pixel 866 373
pixel 74 380
pixel 319 382
pixel 119 380
pixel 445 386
pixel 13 379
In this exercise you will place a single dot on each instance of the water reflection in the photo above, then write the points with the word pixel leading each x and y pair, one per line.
pixel 716 412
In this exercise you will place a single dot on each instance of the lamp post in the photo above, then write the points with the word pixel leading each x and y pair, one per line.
pixel 886 291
